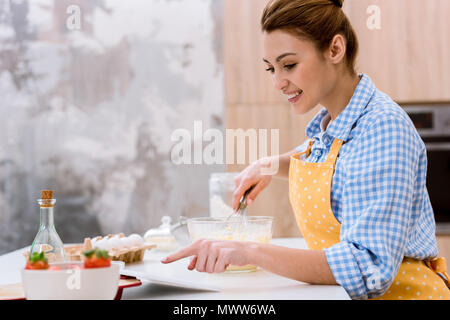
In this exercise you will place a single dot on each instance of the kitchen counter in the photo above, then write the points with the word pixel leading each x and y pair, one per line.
pixel 258 285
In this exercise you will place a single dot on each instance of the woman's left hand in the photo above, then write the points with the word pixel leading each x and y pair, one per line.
pixel 212 256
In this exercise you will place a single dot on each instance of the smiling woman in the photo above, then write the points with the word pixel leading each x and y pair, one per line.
pixel 357 186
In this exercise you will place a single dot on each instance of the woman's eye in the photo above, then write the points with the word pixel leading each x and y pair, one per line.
pixel 290 66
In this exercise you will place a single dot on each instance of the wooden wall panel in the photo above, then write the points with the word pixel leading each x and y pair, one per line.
pixel 408 58
pixel 443 242
pixel 246 80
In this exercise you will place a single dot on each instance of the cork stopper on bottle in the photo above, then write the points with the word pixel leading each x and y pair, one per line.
pixel 47 200
pixel 46 194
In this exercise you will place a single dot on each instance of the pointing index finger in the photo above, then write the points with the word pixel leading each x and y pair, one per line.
pixel 183 253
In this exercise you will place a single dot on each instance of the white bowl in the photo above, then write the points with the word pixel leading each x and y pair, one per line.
pixel 72 283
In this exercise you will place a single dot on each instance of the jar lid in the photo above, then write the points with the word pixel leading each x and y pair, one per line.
pixel 162 231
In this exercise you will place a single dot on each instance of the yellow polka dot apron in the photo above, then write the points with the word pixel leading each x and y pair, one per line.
pixel 309 194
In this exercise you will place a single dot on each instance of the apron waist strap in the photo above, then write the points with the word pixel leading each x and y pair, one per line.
pixel 439 266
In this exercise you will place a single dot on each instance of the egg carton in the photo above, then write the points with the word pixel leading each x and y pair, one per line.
pixel 72 252
pixel 125 254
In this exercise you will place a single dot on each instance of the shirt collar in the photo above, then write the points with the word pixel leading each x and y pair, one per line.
pixel 340 128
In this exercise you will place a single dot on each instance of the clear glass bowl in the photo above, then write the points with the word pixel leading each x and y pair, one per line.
pixel 251 228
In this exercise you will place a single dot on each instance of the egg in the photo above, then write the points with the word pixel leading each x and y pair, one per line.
pixel 136 239
pixel 115 243
pixel 101 244
pixel 126 242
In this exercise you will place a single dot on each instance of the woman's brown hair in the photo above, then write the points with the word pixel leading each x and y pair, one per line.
pixel 315 20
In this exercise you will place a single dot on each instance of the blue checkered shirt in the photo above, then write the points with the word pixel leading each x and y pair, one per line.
pixel 378 191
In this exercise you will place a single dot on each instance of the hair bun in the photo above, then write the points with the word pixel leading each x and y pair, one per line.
pixel 338 3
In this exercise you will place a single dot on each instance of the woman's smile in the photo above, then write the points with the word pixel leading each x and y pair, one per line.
pixel 294 97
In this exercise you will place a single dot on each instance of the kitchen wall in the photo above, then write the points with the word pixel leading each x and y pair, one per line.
pixel 90 95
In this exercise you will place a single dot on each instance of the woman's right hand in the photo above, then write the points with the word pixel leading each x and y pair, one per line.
pixel 252 176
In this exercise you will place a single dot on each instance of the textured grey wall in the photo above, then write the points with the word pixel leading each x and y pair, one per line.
pixel 89 112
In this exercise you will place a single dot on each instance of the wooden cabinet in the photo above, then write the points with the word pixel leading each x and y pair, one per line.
pixel 246 81
pixel 409 56
pixel 443 242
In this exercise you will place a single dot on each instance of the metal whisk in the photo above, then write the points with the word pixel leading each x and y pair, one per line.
pixel 242 204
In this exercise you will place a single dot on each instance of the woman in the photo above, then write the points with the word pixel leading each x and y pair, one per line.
pixel 357 185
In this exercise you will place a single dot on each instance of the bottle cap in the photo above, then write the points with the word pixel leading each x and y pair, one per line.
pixel 47 200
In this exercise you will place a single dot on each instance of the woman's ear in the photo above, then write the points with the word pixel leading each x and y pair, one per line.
pixel 336 51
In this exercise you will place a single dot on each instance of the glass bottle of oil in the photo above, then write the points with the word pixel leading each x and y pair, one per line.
pixel 47 238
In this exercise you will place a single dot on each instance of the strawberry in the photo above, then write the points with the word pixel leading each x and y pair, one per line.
pixel 96 258
pixel 37 261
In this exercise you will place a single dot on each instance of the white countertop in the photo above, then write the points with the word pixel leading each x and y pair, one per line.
pixel 258 285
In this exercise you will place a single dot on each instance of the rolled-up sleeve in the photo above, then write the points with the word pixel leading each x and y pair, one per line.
pixel 376 207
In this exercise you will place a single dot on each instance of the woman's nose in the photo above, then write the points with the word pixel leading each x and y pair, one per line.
pixel 279 83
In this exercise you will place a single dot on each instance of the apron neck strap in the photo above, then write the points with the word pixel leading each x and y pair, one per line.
pixel 334 151
pixel 308 148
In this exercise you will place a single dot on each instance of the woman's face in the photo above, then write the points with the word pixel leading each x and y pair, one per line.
pixel 298 69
